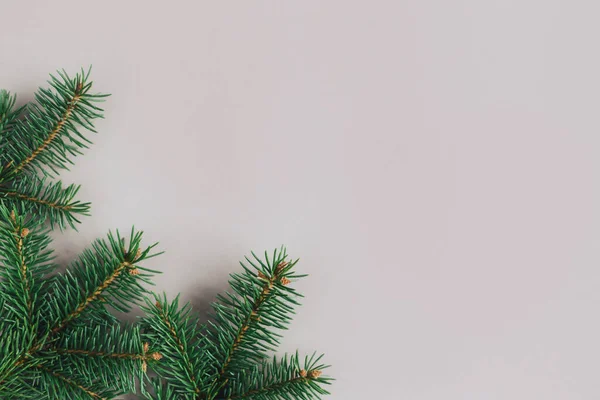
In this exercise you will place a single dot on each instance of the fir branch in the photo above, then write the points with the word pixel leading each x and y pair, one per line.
pixel 8 113
pixel 227 359
pixel 92 297
pixel 252 316
pixel 13 341
pixel 56 129
pixel 58 337
pixel 48 201
pixel 162 390
pixel 25 261
pixel 176 337
pixel 243 329
pixel 113 342
pixel 41 138
pixel 285 386
pixel 38 201
pixel 60 328
pixel 105 354
pixel 109 276
pixel 72 383
pixel 88 353
pixel 173 332
pixel 280 379
pixel 50 132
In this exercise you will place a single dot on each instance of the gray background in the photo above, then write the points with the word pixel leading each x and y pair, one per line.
pixel 433 163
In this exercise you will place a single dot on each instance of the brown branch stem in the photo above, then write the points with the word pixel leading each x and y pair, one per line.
pixel 37 201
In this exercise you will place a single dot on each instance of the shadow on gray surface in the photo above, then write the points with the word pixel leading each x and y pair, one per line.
pixel 202 300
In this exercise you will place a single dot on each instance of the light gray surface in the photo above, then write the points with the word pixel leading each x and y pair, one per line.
pixel 433 163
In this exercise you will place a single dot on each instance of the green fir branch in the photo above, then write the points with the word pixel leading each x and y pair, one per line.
pixel 14 341
pixel 51 133
pixel 25 260
pixel 8 115
pixel 174 333
pixel 283 379
pixel 245 322
pixel 48 201
pixel 42 138
pixel 60 386
pixel 228 358
pixel 57 336
pixel 109 275
pixel 110 354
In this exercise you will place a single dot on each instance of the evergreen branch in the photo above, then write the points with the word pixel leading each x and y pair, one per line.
pixel 226 360
pixel 57 128
pixel 92 297
pixel 115 341
pixel 106 275
pixel 8 113
pixel 173 332
pixel 162 390
pixel 53 202
pixel 71 383
pixel 64 207
pixel 85 356
pixel 59 337
pixel 177 339
pixel 280 379
pixel 42 142
pixel 12 342
pixel 25 260
pixel 50 132
pixel 275 387
pixel 243 329
pixel 106 355
pixel 87 353
pixel 253 315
